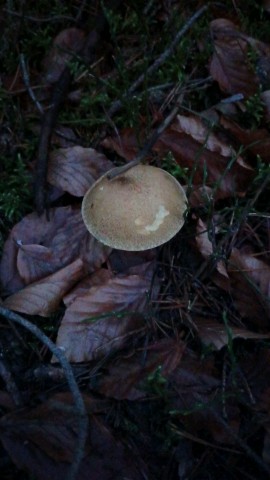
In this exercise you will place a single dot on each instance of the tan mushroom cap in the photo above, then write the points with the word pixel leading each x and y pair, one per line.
pixel 137 210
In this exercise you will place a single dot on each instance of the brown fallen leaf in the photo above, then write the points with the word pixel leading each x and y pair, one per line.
pixel 230 64
pixel 213 161
pixel 102 319
pixel 65 44
pixel 75 169
pixel 124 378
pixel 44 296
pixel 197 401
pixel 99 277
pixel 41 440
pixel 219 335
pixel 250 287
pixel 31 260
pixel 37 247
pixel 256 141
pixel 126 144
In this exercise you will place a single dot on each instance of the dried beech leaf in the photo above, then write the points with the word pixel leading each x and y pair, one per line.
pixel 104 318
pixel 32 260
pixel 66 43
pixel 250 287
pixel 230 65
pixel 214 162
pixel 194 126
pixel 43 297
pixel 126 376
pixel 199 150
pixel 99 277
pixel 218 335
pixel 75 169
pixel 65 236
pixel 42 440
pixel 198 399
pixel 126 145
pixel 256 141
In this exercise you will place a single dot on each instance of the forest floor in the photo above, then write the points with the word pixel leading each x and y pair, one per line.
pixel 153 364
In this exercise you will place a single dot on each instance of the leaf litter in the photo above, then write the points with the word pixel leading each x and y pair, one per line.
pixel 170 347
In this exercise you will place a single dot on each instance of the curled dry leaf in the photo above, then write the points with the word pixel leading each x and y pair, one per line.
pixel 64 238
pixel 230 64
pixel 102 319
pixel 219 335
pixel 43 297
pixel 65 45
pixel 75 169
pixel 250 287
pixel 41 440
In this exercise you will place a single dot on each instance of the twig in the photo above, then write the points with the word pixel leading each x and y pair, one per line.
pixel 48 124
pixel 149 143
pixel 50 117
pixel 27 83
pixel 78 400
pixel 54 18
pixel 160 60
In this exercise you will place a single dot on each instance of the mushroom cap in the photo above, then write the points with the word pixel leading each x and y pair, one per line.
pixel 137 210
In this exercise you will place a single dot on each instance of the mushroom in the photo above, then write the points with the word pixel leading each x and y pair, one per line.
pixel 137 210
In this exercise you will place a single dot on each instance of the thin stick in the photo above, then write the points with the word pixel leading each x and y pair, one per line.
pixel 51 115
pixel 160 60
pixel 149 143
pixel 55 18
pixel 78 400
pixel 27 84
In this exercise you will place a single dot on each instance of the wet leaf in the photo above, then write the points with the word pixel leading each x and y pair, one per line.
pixel 43 297
pixel 75 169
pixel 102 319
